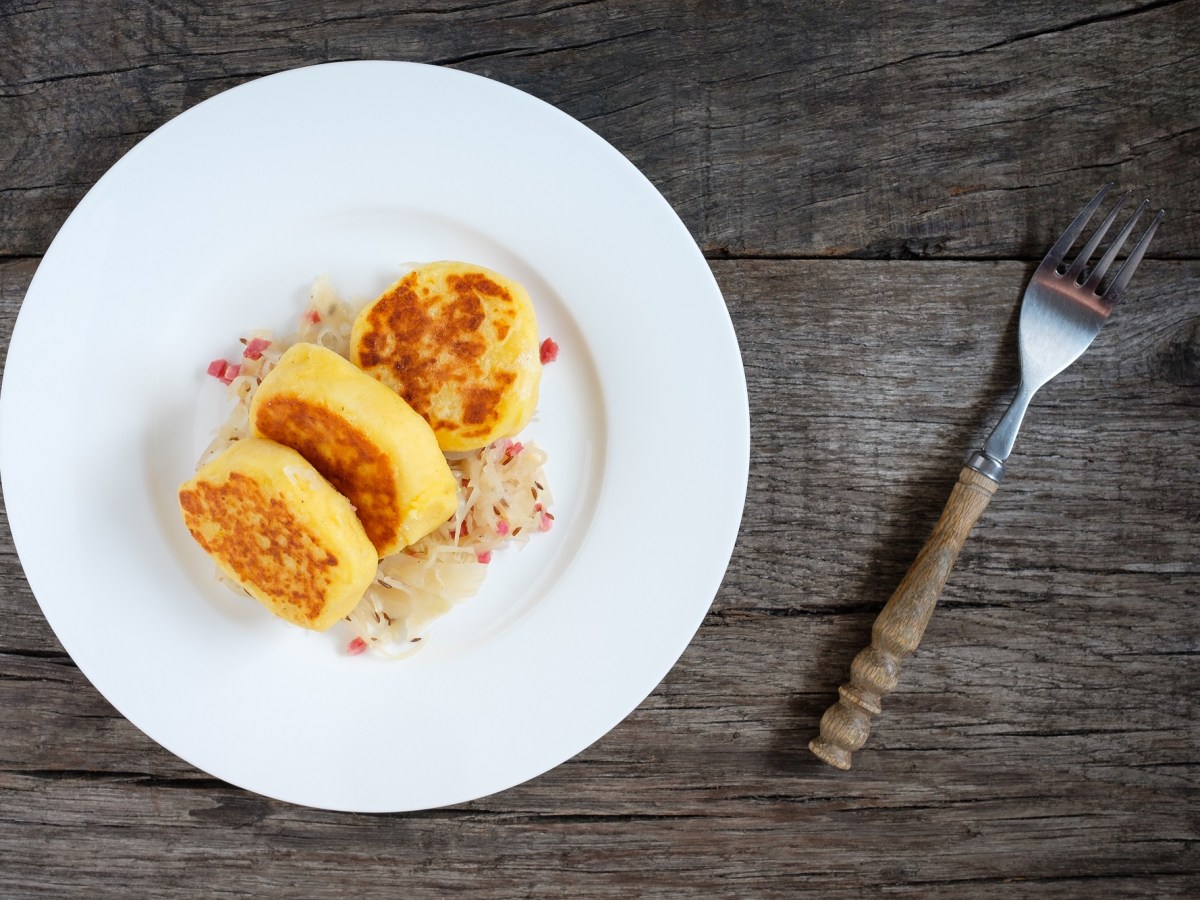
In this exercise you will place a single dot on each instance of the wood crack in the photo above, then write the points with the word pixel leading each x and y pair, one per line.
pixel 603 818
pixel 16 189
pixel 482 54
pixel 1077 732
pixel 531 52
pixel 1016 38
pixel 616 111
pixel 146 779
pixel 325 21
pixel 541 13
pixel 588 45
pixel 51 655
pixel 1174 135
pixel 1072 26
pixel 1009 881
pixel 901 250
pixel 791 612
pixel 70 76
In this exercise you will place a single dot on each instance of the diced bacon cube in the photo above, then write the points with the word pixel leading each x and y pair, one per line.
pixel 255 347
pixel 549 351
pixel 546 523
pixel 230 373
pixel 312 317
pixel 356 646
pixel 501 527
pixel 216 368
pixel 484 557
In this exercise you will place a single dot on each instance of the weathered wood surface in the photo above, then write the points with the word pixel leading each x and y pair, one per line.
pixel 1045 738
pixel 882 129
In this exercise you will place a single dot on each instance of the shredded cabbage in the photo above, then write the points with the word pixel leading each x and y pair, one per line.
pixel 503 498
pixel 327 321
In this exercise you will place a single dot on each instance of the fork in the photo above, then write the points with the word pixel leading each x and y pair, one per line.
pixel 1061 313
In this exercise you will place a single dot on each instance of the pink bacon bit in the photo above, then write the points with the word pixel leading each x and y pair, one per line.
pixel 549 351
pixel 546 521
pixel 223 371
pixel 501 527
pixel 356 646
pixel 312 317
pixel 255 347
pixel 512 449
pixel 484 557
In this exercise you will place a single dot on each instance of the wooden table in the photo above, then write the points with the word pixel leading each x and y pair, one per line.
pixel 872 184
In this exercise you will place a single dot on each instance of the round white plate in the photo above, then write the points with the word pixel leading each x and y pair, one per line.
pixel 218 223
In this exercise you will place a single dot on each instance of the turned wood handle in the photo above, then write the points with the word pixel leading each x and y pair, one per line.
pixel 898 629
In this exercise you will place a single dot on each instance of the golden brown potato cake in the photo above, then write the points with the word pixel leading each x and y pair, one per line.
pixel 362 437
pixel 460 344
pixel 281 531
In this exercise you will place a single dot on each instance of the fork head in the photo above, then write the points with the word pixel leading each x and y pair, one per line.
pixel 1061 314
pixel 1064 306
pixel 1086 282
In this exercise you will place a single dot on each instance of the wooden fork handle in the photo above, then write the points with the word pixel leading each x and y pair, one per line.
pixel 899 627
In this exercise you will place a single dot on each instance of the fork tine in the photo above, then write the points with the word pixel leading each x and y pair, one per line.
pixel 1097 274
pixel 1121 281
pixel 1063 244
pixel 1090 247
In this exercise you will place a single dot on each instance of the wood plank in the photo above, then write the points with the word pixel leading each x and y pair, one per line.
pixel 754 684
pixel 924 129
pixel 1038 826
pixel 1043 740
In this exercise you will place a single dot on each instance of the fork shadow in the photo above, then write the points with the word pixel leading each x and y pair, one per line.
pixel 861 601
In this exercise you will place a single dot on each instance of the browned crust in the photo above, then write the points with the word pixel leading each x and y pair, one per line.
pixel 359 468
pixel 418 342
pixel 261 541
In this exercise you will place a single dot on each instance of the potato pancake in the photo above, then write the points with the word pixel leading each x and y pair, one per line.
pixel 460 344
pixel 362 437
pixel 281 531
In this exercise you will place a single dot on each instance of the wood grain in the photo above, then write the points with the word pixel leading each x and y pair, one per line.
pixel 884 130
pixel 872 183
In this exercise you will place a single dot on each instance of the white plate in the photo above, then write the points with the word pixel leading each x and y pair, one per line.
pixel 217 223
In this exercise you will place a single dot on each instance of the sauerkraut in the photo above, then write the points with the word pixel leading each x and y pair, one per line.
pixel 503 499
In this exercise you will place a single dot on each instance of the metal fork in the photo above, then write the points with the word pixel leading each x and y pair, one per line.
pixel 1061 313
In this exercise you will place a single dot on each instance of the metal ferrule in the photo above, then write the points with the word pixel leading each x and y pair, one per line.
pixel 986 466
